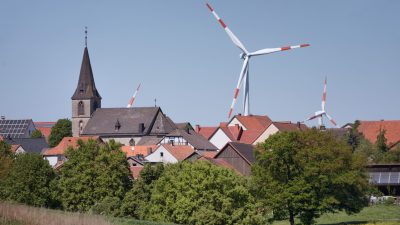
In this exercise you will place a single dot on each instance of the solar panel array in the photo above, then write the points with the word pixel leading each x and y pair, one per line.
pixel 384 177
pixel 14 128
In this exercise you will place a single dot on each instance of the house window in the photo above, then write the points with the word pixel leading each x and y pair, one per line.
pixel 81 108
pixel 161 154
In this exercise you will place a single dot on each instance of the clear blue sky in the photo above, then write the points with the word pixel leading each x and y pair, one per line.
pixel 182 57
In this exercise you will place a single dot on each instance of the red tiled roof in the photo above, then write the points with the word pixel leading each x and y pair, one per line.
pixel 180 152
pixel 65 143
pixel 135 171
pixel 254 122
pixel 138 150
pixel 206 131
pixel 289 126
pixel 218 162
pixel 14 148
pixel 209 154
pixel 44 127
pixel 371 129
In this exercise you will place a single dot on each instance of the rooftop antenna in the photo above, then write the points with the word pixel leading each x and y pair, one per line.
pixel 85 36
pixel 155 102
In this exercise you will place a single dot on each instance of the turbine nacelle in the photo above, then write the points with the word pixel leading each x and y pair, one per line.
pixel 243 55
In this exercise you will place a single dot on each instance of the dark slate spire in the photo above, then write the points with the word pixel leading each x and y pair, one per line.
pixel 86 88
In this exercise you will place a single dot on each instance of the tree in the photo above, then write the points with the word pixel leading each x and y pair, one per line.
pixel 201 193
pixel 305 174
pixel 63 128
pixel 36 134
pixel 29 181
pixel 353 137
pixel 381 141
pixel 93 172
pixel 137 199
pixel 5 159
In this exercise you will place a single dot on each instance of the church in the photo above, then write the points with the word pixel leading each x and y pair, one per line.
pixel 129 126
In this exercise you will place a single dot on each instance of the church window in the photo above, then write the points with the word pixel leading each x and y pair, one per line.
pixel 132 142
pixel 81 108
pixel 80 126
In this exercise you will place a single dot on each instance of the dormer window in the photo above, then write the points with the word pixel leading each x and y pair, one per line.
pixel 117 125
pixel 81 108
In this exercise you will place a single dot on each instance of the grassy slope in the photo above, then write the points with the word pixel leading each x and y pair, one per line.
pixel 367 215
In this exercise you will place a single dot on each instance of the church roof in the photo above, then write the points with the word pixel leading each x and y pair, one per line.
pixel 131 120
pixel 86 88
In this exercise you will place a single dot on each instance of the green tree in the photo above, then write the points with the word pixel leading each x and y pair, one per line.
pixel 353 137
pixel 93 172
pixel 5 159
pixel 201 193
pixel 29 180
pixel 137 199
pixel 63 128
pixel 305 174
pixel 36 134
pixel 381 141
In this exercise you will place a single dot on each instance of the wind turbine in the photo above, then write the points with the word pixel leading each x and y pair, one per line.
pixel 130 104
pixel 320 114
pixel 246 55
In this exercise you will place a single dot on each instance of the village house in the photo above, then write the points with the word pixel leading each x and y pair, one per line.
pixel 16 128
pixel 371 129
pixel 56 156
pixel 167 153
pixel 27 145
pixel 251 129
pixel 239 155
pixel 44 128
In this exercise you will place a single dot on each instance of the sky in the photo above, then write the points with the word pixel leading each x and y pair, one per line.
pixel 184 59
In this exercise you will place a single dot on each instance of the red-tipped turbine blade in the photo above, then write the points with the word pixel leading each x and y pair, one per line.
pixel 273 50
pixel 324 97
pixel 233 37
pixel 243 73
pixel 130 104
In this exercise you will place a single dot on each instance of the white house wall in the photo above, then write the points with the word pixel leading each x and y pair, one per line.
pixel 156 156
pixel 236 121
pixel 219 139
pixel 272 129
pixel 52 160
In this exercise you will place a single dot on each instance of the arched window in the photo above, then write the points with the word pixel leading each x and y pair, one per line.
pixel 80 126
pixel 132 142
pixel 81 108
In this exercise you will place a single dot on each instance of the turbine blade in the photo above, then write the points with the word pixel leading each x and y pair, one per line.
pixel 233 37
pixel 130 104
pixel 241 76
pixel 331 119
pixel 313 117
pixel 324 97
pixel 272 50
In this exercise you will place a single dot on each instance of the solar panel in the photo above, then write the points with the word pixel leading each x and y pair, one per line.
pixel 14 128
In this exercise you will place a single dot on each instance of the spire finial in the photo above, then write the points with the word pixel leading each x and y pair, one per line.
pixel 85 36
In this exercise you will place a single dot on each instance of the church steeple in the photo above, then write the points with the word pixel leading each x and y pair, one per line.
pixel 86 88
pixel 86 98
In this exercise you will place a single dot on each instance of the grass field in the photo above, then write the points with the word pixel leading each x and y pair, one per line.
pixel 12 214
pixel 378 214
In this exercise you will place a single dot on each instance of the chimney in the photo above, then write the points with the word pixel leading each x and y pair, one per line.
pixel 197 128
pixel 239 114
pixel 141 128
pixel 298 125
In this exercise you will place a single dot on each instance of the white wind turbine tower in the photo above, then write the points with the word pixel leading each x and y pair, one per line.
pixel 130 104
pixel 320 114
pixel 245 55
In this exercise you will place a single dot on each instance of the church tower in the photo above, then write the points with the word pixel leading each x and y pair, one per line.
pixel 86 98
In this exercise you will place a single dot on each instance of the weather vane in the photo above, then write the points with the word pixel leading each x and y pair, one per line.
pixel 85 36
